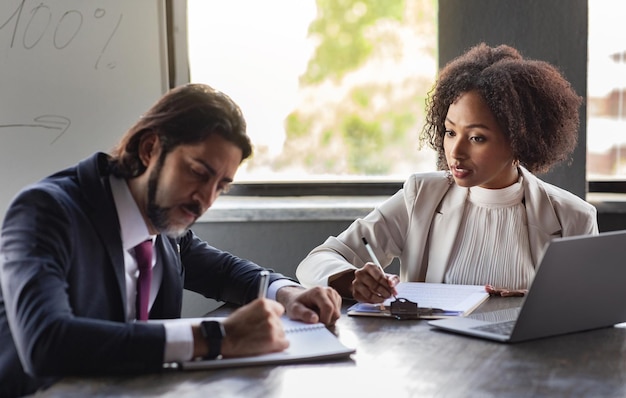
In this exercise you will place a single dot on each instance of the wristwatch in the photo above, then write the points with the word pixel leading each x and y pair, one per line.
pixel 213 333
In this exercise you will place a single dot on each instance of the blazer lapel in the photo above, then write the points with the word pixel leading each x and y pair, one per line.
pixel 169 301
pixel 444 229
pixel 93 177
pixel 543 223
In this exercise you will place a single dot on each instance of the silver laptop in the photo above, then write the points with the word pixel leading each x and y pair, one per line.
pixel 580 285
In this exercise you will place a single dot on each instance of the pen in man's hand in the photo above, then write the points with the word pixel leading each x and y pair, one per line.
pixel 264 283
pixel 374 259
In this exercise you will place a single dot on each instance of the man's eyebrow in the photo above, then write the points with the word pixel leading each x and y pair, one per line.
pixel 211 170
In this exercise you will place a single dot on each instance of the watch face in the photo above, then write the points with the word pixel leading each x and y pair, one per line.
pixel 213 333
pixel 212 330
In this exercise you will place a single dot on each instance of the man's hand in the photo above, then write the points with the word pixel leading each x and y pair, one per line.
pixel 253 329
pixel 317 304
pixel 371 285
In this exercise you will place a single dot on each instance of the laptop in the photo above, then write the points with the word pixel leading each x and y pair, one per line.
pixel 580 285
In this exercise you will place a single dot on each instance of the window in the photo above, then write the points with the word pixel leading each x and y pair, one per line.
pixel 333 91
pixel 606 106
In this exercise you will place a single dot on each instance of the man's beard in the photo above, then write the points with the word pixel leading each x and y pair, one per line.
pixel 158 215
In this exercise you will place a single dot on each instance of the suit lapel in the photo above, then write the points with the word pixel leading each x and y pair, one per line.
pixel 543 223
pixel 168 303
pixel 93 176
pixel 445 227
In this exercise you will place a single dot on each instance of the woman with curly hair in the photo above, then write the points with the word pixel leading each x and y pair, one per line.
pixel 495 119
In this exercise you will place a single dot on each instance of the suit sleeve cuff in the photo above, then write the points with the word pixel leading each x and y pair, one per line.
pixel 178 342
pixel 277 284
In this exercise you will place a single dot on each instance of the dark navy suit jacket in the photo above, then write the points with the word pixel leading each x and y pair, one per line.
pixel 62 304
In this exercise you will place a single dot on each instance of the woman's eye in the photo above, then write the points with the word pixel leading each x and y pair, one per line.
pixel 449 133
pixel 478 139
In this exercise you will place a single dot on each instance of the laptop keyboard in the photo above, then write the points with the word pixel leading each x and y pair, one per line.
pixel 502 328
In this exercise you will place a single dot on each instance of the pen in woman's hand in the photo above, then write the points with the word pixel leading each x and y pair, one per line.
pixel 264 283
pixel 375 260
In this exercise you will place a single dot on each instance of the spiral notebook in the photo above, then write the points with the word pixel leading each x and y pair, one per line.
pixel 307 343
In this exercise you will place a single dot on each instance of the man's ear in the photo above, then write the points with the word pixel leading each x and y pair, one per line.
pixel 149 147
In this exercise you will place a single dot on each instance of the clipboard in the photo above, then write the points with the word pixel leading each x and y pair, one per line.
pixel 421 300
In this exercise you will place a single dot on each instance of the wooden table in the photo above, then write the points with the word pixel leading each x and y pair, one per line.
pixel 397 359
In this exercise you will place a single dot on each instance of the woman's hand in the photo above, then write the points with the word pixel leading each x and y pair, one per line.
pixel 498 291
pixel 371 285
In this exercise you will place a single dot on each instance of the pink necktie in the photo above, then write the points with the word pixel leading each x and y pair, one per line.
pixel 143 255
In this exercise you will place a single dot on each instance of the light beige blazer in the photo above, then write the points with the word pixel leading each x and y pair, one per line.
pixel 420 222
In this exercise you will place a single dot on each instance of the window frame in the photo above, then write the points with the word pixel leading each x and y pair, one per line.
pixel 316 188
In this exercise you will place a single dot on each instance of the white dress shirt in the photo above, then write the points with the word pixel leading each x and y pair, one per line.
pixel 133 229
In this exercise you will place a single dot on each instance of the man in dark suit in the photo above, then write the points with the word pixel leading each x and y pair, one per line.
pixel 68 267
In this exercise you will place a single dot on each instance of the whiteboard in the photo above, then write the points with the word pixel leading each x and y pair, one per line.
pixel 74 76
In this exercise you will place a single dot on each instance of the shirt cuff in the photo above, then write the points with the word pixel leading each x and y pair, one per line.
pixel 277 284
pixel 178 341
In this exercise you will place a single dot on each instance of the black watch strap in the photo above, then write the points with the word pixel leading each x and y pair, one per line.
pixel 213 333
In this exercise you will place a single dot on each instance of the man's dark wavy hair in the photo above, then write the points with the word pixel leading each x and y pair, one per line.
pixel 187 114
